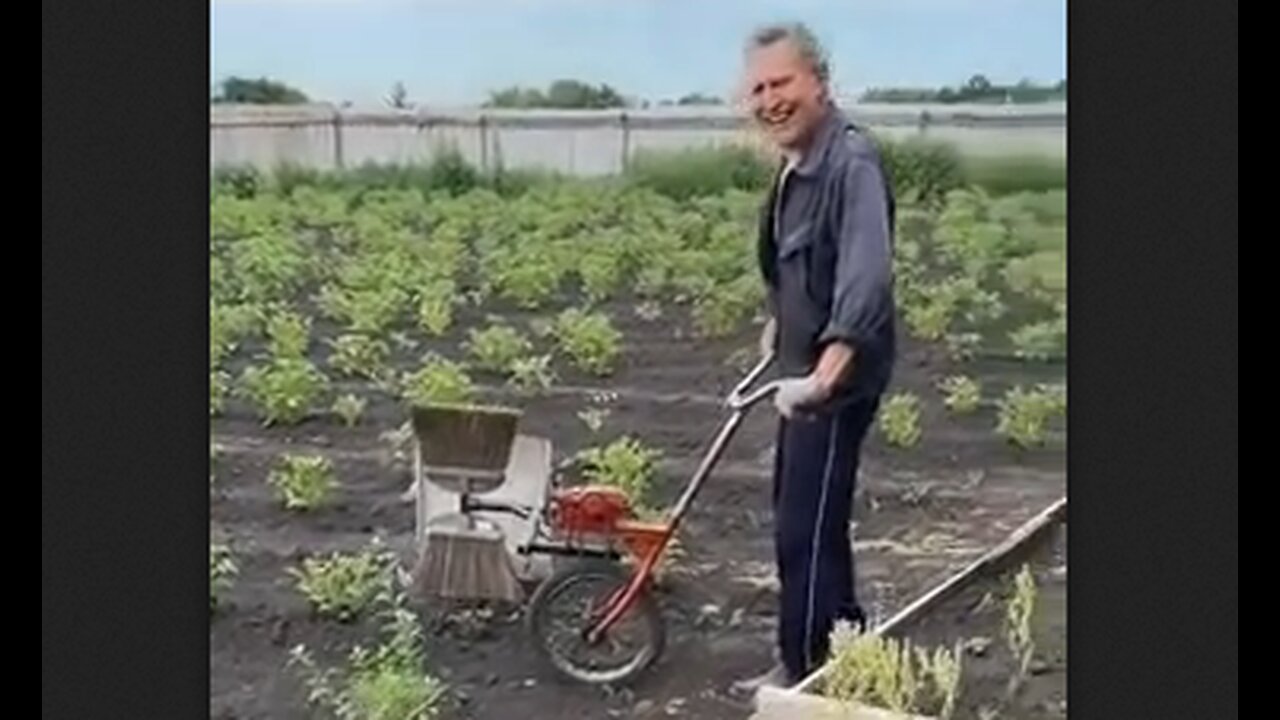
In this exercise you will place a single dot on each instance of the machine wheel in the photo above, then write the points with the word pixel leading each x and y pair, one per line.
pixel 569 601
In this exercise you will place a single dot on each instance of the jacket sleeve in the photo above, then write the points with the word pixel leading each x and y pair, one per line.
pixel 862 301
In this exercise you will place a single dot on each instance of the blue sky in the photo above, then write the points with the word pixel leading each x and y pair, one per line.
pixel 455 51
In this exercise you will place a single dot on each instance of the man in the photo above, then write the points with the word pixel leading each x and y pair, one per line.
pixel 826 255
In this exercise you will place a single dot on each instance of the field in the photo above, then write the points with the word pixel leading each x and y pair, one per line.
pixel 604 310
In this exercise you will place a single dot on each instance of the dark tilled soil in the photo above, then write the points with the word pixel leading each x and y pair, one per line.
pixel 921 514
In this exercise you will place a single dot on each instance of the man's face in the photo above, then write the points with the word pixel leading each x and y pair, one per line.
pixel 784 95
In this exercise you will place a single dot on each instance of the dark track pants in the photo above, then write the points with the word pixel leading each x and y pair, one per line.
pixel 815 471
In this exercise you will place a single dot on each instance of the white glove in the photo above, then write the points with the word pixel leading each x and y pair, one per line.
pixel 795 393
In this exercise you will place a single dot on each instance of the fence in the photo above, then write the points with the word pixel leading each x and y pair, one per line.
pixel 580 142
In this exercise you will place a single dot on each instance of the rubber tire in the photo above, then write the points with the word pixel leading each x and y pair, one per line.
pixel 595 568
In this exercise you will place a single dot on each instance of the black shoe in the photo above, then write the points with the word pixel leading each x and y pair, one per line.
pixel 859 620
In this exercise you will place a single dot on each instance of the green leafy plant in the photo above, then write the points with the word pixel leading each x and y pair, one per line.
pixel 1019 613
pixel 386 682
pixel 289 334
pixel 1056 397
pixel 439 380
pixel 528 277
pixel 1024 415
pixel 285 390
pixel 359 356
pixel 975 235
pixel 691 274
pixel 435 307
pixel 649 311
pixel 979 306
pixel 930 315
pixel 923 170
pixel 303 482
pixel 627 464
pixel 219 387
pixel 237 184
pixel 933 308
pixel 213 459
pixel 890 674
pixel 364 310
pixel 318 208
pixel 1040 276
pixel 651 280
pixel 233 217
pixel 1041 341
pixel 962 394
pixel 343 586
pixel 229 325
pixel 593 418
pixel 962 347
pixel 268 266
pixel 497 347
pixel 222 571
pixel 900 420
pixel 350 408
pixel 532 374
pixel 403 341
pixel 728 306
pixel 601 267
pixel 589 339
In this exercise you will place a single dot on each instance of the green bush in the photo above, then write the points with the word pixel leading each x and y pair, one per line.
pixel 239 182
pixel 921 170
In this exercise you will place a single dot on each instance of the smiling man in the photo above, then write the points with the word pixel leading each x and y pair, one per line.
pixel 825 251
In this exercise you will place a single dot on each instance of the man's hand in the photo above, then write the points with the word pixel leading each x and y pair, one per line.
pixel 794 394
pixel 769 338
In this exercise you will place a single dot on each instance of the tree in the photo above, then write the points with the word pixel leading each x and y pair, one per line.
pixel 978 85
pixel 261 91
pixel 575 94
pixel 699 99
pixel 399 97
pixel 562 94
pixel 977 89
pixel 516 97
pixel 900 95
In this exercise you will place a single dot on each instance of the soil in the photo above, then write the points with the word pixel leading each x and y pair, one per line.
pixel 921 514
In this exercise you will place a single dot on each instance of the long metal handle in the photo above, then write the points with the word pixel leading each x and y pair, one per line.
pixel 739 401
pixel 742 397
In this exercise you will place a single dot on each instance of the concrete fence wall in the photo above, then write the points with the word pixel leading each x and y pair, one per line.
pixel 580 142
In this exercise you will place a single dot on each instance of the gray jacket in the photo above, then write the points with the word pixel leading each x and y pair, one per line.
pixel 827 258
